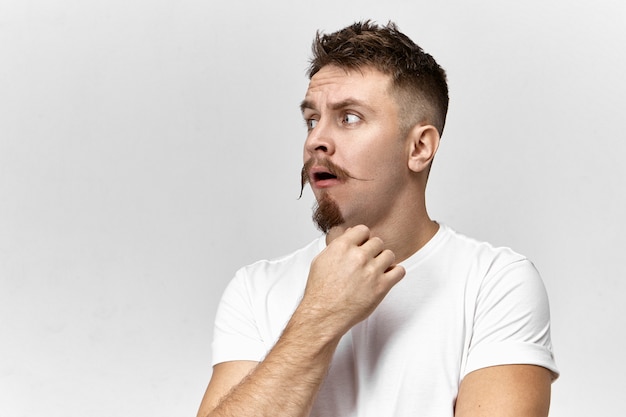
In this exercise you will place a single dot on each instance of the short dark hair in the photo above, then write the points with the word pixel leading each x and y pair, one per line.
pixel 418 82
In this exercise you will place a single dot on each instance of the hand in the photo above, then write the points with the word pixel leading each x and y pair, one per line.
pixel 348 280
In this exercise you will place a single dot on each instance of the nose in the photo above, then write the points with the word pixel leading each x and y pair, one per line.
pixel 319 140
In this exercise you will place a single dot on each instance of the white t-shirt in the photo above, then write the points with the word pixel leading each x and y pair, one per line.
pixel 463 305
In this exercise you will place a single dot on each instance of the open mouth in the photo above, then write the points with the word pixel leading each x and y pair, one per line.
pixel 322 176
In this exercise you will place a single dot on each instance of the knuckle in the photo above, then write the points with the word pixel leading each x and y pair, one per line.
pixel 362 227
pixel 361 258
pixel 377 241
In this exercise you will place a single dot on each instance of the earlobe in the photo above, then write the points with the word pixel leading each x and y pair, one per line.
pixel 423 144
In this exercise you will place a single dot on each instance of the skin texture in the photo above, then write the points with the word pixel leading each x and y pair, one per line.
pixel 332 303
pixel 353 121
pixel 356 125
pixel 505 391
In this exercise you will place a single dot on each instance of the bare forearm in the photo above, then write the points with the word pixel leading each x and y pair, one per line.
pixel 286 382
pixel 346 282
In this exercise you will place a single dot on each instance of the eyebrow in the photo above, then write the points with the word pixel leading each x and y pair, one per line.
pixel 306 104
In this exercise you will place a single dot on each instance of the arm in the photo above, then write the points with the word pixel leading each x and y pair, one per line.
pixel 505 391
pixel 285 383
pixel 346 282
pixel 511 326
pixel 225 376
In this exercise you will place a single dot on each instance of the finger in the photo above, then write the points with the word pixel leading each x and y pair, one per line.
pixel 373 247
pixel 395 273
pixel 358 234
pixel 385 260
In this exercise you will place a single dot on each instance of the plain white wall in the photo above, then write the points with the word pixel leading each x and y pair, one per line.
pixel 150 148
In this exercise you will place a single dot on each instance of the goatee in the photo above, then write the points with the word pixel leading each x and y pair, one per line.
pixel 326 214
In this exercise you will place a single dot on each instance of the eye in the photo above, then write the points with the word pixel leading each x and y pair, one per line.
pixel 310 123
pixel 350 119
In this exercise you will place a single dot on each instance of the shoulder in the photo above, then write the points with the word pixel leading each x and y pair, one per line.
pixel 271 271
pixel 478 248
pixel 257 303
pixel 506 304
pixel 490 274
pixel 479 257
pixel 276 278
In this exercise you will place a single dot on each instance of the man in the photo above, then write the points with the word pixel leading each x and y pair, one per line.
pixel 389 313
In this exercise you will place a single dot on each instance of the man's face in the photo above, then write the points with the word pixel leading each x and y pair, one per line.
pixel 354 155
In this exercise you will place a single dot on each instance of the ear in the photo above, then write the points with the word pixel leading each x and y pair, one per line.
pixel 423 142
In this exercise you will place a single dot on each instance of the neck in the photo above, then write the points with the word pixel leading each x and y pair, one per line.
pixel 402 235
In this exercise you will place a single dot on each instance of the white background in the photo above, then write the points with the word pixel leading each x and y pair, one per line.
pixel 150 148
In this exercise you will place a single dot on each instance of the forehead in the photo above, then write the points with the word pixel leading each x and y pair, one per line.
pixel 332 83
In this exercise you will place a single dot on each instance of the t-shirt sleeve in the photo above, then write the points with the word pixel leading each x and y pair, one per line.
pixel 236 335
pixel 511 320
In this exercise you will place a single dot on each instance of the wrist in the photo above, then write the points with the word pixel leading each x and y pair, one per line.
pixel 313 331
